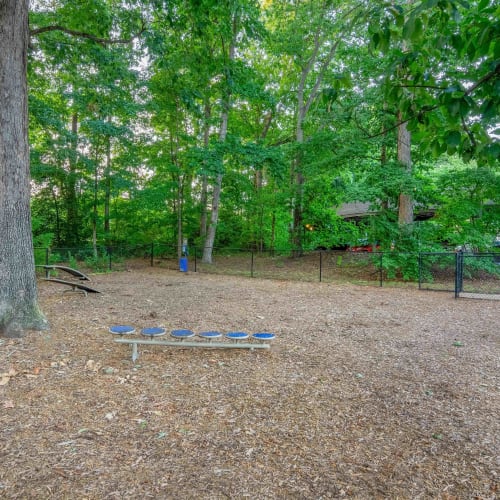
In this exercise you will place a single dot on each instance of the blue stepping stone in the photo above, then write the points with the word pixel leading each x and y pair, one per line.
pixel 210 335
pixel 263 336
pixel 121 330
pixel 153 332
pixel 237 335
pixel 182 334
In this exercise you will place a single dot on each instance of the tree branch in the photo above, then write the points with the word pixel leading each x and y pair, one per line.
pixel 327 61
pixel 88 36
pixel 485 78
pixel 434 87
pixel 402 122
pixel 492 74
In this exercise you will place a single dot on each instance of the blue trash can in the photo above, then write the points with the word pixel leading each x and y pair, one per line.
pixel 183 264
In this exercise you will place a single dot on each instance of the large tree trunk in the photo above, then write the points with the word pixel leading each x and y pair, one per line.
pixel 18 292
pixel 405 214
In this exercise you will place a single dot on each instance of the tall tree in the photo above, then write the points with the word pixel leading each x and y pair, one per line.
pixel 91 98
pixel 237 21
pixel 223 129
pixel 18 292
pixel 309 35
pixel 405 205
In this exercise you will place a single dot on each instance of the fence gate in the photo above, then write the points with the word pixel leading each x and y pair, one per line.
pixel 477 275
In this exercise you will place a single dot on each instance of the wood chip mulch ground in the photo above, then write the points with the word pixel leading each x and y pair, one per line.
pixel 366 393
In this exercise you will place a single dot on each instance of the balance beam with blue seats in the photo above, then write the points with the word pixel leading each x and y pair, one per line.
pixel 187 338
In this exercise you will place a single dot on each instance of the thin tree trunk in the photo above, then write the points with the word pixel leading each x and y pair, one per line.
pixel 72 221
pixel 298 199
pixel 58 218
pixel 180 202
pixel 214 217
pixel 94 208
pixel 383 157
pixel 259 237
pixel 258 184
pixel 405 213
pixel 303 106
pixel 204 180
pixel 273 231
pixel 209 241
pixel 18 292
pixel 107 191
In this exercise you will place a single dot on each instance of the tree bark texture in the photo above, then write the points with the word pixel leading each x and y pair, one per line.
pixel 18 291
pixel 405 214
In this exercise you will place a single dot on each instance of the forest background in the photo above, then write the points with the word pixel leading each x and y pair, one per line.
pixel 247 124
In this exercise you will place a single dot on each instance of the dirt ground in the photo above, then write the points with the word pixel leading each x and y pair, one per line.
pixel 366 393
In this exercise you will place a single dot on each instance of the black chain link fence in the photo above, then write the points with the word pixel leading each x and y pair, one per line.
pixel 477 275
pixel 447 271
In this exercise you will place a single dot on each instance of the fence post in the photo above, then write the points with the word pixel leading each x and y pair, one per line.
pixel 420 270
pixel 381 268
pixel 251 268
pixel 152 252
pixel 459 270
pixel 320 266
pixel 110 251
pixel 195 259
pixel 47 272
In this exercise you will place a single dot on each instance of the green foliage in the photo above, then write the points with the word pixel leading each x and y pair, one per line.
pixel 445 73
pixel 148 117
pixel 400 266
pixel 469 206
pixel 480 268
pixel 41 238
pixel 99 263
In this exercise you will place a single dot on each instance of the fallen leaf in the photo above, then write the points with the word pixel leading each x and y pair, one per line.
pixel 92 366
pixel 6 376
pixel 8 404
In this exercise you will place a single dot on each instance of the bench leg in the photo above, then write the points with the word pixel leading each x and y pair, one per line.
pixel 135 353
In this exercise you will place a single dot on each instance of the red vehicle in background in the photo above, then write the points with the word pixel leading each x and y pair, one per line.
pixel 365 248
